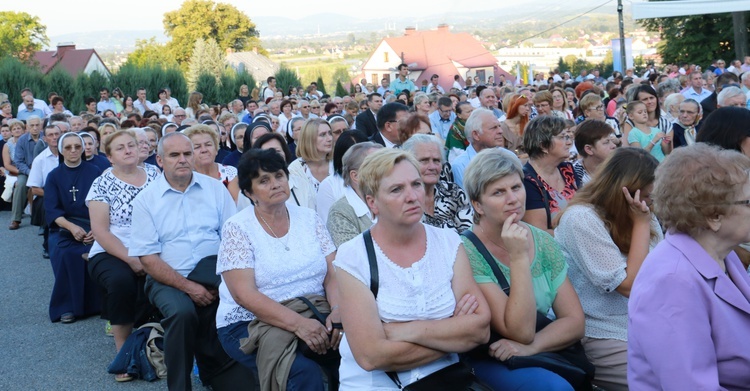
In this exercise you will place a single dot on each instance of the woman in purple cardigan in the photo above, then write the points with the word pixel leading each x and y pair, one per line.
pixel 689 310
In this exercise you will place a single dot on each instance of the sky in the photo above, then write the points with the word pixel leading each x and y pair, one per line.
pixel 75 16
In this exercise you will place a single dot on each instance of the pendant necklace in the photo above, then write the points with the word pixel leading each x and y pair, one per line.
pixel 286 245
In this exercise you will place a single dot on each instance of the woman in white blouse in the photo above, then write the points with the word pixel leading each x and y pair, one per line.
pixel 269 254
pixel 428 307
pixel 314 163
pixel 605 234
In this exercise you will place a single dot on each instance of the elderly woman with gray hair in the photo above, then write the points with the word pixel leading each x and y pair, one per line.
pixel 350 216
pixel 731 97
pixel 445 203
pixel 689 308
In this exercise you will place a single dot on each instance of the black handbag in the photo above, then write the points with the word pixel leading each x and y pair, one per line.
pixel 329 361
pixel 455 377
pixel 570 363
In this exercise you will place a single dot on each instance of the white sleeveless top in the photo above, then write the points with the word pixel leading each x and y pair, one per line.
pixel 420 292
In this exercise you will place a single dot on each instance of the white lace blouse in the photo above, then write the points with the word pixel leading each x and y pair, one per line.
pixel 279 274
pixel 420 292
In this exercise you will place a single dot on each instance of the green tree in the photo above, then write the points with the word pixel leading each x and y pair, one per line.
pixel 321 85
pixel 148 51
pixel 286 78
pixel 21 34
pixel 696 39
pixel 206 59
pixel 205 19
pixel 341 75
pixel 206 85
pixel 340 91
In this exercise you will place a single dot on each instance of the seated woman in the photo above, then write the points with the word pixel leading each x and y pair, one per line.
pixel 274 141
pixel 689 310
pixel 110 203
pixel 237 139
pixel 143 147
pixel 74 294
pixel 427 309
pixel 339 125
pixel 549 179
pixel 349 216
pixel 445 203
pixel 332 188
pixel 314 163
pixel 269 255
pixel 456 136
pixel 412 124
pixel 90 152
pixel 594 140
pixel 517 108
pixel 727 128
pixel 532 262
pixel 205 147
pixel 605 233
pixel 685 128
pixel 293 128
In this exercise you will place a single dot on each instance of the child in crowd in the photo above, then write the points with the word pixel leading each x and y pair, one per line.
pixel 642 136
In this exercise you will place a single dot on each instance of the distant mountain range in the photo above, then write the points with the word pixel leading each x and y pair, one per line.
pixel 331 24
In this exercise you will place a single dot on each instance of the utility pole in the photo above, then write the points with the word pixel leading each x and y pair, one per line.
pixel 622 37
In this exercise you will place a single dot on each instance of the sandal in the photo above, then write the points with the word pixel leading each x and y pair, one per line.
pixel 123 377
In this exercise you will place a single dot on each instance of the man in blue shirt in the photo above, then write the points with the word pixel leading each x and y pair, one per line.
pixel 177 223
pixel 402 83
pixel 442 118
pixel 483 131
pixel 28 109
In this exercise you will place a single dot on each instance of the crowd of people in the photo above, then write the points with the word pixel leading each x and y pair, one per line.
pixel 290 239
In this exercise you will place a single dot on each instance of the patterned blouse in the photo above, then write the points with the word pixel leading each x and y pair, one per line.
pixel 452 208
pixel 540 195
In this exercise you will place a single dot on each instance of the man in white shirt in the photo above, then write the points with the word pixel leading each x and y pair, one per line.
pixel 172 102
pixel 270 89
pixel 38 103
pixel 457 82
pixel 43 164
pixel 179 218
pixel 696 90
pixel 141 104
pixel 388 117
pixel 434 86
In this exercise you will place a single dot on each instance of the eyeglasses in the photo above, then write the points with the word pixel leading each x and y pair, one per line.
pixel 73 148
pixel 180 115
pixel 563 136
pixel 743 202
pixel 142 142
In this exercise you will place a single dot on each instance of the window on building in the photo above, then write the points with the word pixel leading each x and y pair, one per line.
pixel 385 57
pixel 374 80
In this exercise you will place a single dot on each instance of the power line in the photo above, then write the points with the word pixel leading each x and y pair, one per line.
pixel 558 25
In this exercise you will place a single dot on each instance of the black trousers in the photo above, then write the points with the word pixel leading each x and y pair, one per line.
pixel 190 331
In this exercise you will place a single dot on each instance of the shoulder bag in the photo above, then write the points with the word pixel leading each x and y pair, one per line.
pixel 570 363
pixel 455 377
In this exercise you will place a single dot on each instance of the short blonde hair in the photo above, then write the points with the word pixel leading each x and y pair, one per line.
pixel 109 139
pixel 378 165
pixel 13 122
pixel 202 129
pixel 696 183
pixel 589 101
pixel 307 145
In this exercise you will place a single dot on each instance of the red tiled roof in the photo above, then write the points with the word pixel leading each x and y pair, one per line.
pixel 435 51
pixel 72 60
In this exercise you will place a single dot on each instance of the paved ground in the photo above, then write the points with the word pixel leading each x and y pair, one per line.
pixel 36 354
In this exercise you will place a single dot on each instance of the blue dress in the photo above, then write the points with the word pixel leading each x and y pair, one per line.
pixel 233 159
pixel 64 196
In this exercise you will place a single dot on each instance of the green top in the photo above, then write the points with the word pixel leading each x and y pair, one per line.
pixel 548 269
